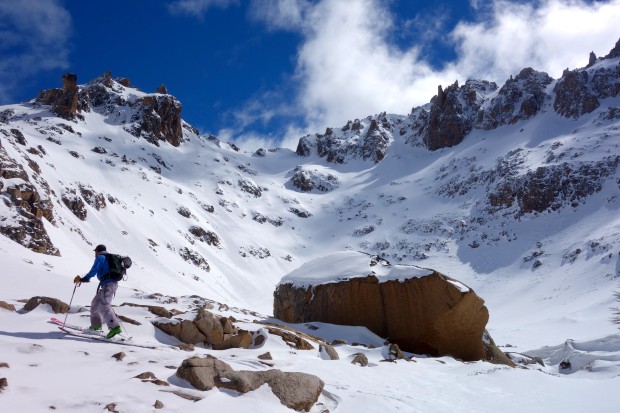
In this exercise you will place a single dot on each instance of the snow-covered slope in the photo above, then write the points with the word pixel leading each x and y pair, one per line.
pixel 524 209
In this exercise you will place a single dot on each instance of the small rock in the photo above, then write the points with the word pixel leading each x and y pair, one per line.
pixel 186 347
pixel 361 359
pixel 330 351
pixel 565 365
pixel 395 352
pixel 158 405
pixel 111 408
pixel 7 306
pixel 119 356
pixel 3 383
pixel 4 365
pixel 146 375
pixel 266 356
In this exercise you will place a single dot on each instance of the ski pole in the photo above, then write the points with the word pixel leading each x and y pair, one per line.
pixel 70 302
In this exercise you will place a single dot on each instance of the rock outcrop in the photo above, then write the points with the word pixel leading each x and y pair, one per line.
pixel 66 102
pixel 26 204
pixel 155 117
pixel 518 99
pixel 452 113
pixel 207 328
pixel 431 314
pixel 366 139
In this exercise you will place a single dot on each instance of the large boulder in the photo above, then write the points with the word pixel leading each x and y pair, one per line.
pixel 421 310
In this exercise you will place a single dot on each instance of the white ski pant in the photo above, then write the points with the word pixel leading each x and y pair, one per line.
pixel 101 306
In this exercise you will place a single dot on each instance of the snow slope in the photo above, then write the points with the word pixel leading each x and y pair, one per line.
pixel 547 277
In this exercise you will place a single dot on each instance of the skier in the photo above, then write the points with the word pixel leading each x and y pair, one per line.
pixel 101 306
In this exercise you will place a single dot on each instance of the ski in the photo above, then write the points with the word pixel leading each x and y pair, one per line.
pixel 121 341
pixel 81 329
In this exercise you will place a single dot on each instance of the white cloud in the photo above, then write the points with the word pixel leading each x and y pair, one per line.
pixel 198 8
pixel 281 14
pixel 348 66
pixel 34 37
pixel 552 36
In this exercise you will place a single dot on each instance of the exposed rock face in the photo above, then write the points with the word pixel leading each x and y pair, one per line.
pixel 161 119
pixel 579 91
pixel 27 206
pixel 298 391
pixel 64 102
pixel 615 52
pixel 156 117
pixel 433 314
pixel 519 99
pixel 367 140
pixel 452 113
pixel 573 97
pixel 307 180
pixel 552 187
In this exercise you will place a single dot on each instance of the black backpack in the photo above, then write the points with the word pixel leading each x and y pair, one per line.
pixel 118 267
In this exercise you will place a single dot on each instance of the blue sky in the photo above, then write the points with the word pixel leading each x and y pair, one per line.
pixel 265 72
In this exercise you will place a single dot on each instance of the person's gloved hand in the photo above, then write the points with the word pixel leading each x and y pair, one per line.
pixel 79 280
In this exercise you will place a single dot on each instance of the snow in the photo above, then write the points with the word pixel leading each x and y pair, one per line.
pixel 345 265
pixel 559 310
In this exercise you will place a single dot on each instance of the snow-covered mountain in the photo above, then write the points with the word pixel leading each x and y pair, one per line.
pixel 514 190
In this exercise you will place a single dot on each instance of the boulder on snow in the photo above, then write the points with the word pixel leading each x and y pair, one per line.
pixel 298 391
pixel 421 310
pixel 57 306
pixel 207 328
pixel 202 373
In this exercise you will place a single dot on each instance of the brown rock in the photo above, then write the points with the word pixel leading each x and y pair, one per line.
pixel 424 315
pixel 145 376
pixel 185 330
pixel 330 351
pixel 158 404
pixel 124 81
pixel 298 391
pixel 161 119
pixel 58 306
pixel 7 306
pixel 291 339
pixel 202 372
pixel 209 325
pixel 266 356
pixel 241 340
pixel 3 383
pixel 360 359
pixel 4 365
pixel 395 353
pixel 162 89
pixel 111 407
pixel 119 356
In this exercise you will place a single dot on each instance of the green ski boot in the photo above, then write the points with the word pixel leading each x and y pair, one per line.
pixel 116 330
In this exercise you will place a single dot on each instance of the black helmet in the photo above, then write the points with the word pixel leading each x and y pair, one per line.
pixel 100 248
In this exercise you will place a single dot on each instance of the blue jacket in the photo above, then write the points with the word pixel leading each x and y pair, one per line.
pixel 100 269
